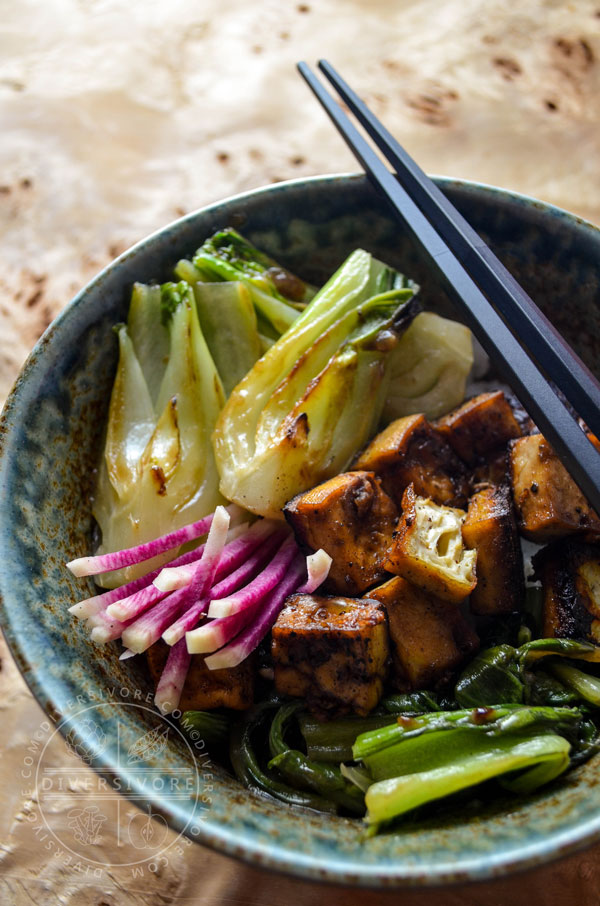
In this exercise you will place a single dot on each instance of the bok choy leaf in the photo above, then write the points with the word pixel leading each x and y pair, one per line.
pixel 316 396
pixel 430 367
pixel 158 471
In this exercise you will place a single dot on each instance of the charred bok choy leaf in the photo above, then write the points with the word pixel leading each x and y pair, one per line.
pixel 158 472
pixel 317 394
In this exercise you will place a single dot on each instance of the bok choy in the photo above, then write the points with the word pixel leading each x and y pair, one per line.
pixel 158 471
pixel 316 396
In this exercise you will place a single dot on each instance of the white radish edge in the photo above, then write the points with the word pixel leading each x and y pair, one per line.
pixel 238 600
pixel 317 567
pixel 87 608
pixel 202 640
pixel 171 636
pixel 173 577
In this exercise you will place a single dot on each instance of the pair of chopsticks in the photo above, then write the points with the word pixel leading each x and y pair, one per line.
pixel 521 343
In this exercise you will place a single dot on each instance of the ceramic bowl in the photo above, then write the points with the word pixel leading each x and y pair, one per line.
pixel 50 435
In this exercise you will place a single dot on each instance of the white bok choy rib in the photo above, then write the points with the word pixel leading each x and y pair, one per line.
pixel 158 471
pixel 316 396
pixel 430 366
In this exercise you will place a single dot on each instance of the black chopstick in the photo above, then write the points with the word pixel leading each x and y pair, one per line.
pixel 524 318
pixel 553 417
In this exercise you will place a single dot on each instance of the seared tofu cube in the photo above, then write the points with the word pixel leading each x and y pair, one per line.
pixel 492 470
pixel 206 689
pixel 429 638
pixel 491 529
pixel 428 549
pixel 332 651
pixel 480 427
pixel 352 519
pixel 548 502
pixel 410 451
pixel 570 575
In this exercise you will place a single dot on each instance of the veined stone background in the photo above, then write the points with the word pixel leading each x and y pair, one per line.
pixel 118 117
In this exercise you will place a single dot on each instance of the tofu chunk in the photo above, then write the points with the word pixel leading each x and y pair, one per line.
pixel 480 427
pixel 352 519
pixel 570 575
pixel 548 502
pixel 491 529
pixel 410 451
pixel 206 689
pixel 429 638
pixel 332 651
pixel 428 549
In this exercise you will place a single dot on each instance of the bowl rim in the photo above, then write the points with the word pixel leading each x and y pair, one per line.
pixel 214 834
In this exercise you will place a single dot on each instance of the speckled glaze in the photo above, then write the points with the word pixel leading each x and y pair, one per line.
pixel 50 433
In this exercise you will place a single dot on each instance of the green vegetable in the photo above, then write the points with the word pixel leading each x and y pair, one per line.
pixel 228 322
pixel 276 293
pixel 332 740
pixel 249 771
pixel 277 744
pixel 547 690
pixel 490 678
pixel 429 368
pixel 470 761
pixel 532 651
pixel 326 780
pixel 583 684
pixel 480 721
pixel 158 471
pixel 211 727
pixel 316 395
pixel 306 773
pixel 409 703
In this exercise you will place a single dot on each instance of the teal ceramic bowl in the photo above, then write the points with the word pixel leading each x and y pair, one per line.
pixel 50 435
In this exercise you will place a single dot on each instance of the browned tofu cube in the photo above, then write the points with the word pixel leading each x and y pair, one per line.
pixel 332 651
pixel 492 470
pixel 429 638
pixel 410 451
pixel 480 426
pixel 428 549
pixel 206 689
pixel 570 575
pixel 548 502
pixel 490 528
pixel 352 519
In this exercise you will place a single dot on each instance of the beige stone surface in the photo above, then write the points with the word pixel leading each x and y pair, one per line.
pixel 118 117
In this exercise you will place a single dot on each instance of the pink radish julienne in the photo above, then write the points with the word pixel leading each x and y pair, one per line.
pixel 173 677
pixel 136 603
pixel 240 576
pixel 255 630
pixel 146 630
pixel 92 566
pixel 242 645
pixel 235 552
pixel 258 588
pixel 230 583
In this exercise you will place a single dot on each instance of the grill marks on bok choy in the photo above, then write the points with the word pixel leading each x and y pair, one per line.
pixel 158 471
pixel 317 394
